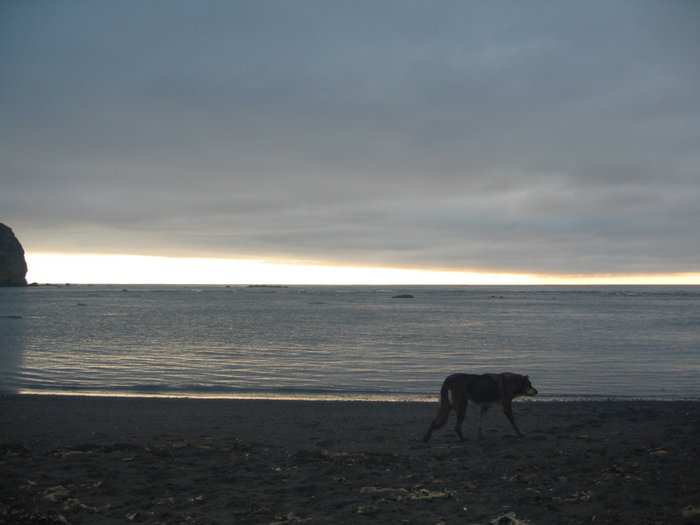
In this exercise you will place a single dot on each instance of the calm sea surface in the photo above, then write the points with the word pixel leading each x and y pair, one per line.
pixel 348 342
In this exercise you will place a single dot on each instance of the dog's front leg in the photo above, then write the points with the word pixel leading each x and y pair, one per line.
pixel 482 416
pixel 508 411
pixel 461 412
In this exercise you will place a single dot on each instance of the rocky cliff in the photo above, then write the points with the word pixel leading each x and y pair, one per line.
pixel 13 267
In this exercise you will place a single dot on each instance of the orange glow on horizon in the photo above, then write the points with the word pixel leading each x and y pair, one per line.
pixel 137 269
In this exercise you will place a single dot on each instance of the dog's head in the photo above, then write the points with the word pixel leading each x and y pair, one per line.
pixel 527 388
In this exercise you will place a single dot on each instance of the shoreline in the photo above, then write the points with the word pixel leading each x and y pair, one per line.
pixel 329 398
pixel 94 459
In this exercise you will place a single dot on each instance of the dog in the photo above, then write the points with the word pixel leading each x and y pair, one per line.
pixel 486 391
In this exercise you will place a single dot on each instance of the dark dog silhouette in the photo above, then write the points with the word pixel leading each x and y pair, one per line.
pixel 486 391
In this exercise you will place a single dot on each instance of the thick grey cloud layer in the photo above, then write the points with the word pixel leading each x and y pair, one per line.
pixel 548 137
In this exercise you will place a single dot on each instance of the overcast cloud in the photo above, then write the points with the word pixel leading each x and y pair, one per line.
pixel 547 137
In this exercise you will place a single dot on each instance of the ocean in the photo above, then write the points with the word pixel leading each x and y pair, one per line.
pixel 348 342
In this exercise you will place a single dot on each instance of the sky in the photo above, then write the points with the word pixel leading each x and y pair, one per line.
pixel 479 138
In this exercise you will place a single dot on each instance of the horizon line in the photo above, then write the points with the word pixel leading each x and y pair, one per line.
pixel 122 269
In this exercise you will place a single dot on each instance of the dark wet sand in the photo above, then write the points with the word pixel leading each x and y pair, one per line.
pixel 138 460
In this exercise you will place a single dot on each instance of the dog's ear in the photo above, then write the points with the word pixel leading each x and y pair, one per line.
pixel 526 381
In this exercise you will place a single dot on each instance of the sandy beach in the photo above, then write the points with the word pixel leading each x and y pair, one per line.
pixel 72 459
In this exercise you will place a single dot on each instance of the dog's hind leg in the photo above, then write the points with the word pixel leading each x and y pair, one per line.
pixel 461 412
pixel 429 433
pixel 436 423
pixel 443 411
pixel 439 421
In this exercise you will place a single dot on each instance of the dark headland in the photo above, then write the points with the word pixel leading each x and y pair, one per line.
pixel 13 266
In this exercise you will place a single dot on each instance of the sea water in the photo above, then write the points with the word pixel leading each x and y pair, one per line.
pixel 328 342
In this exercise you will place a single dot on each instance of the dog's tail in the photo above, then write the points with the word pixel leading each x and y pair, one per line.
pixel 443 411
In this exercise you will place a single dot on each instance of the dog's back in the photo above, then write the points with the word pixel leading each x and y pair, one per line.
pixel 479 389
pixel 491 390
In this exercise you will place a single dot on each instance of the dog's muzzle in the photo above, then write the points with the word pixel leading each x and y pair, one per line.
pixel 532 391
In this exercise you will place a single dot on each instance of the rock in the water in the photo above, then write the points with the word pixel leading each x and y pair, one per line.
pixel 403 296
pixel 13 266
